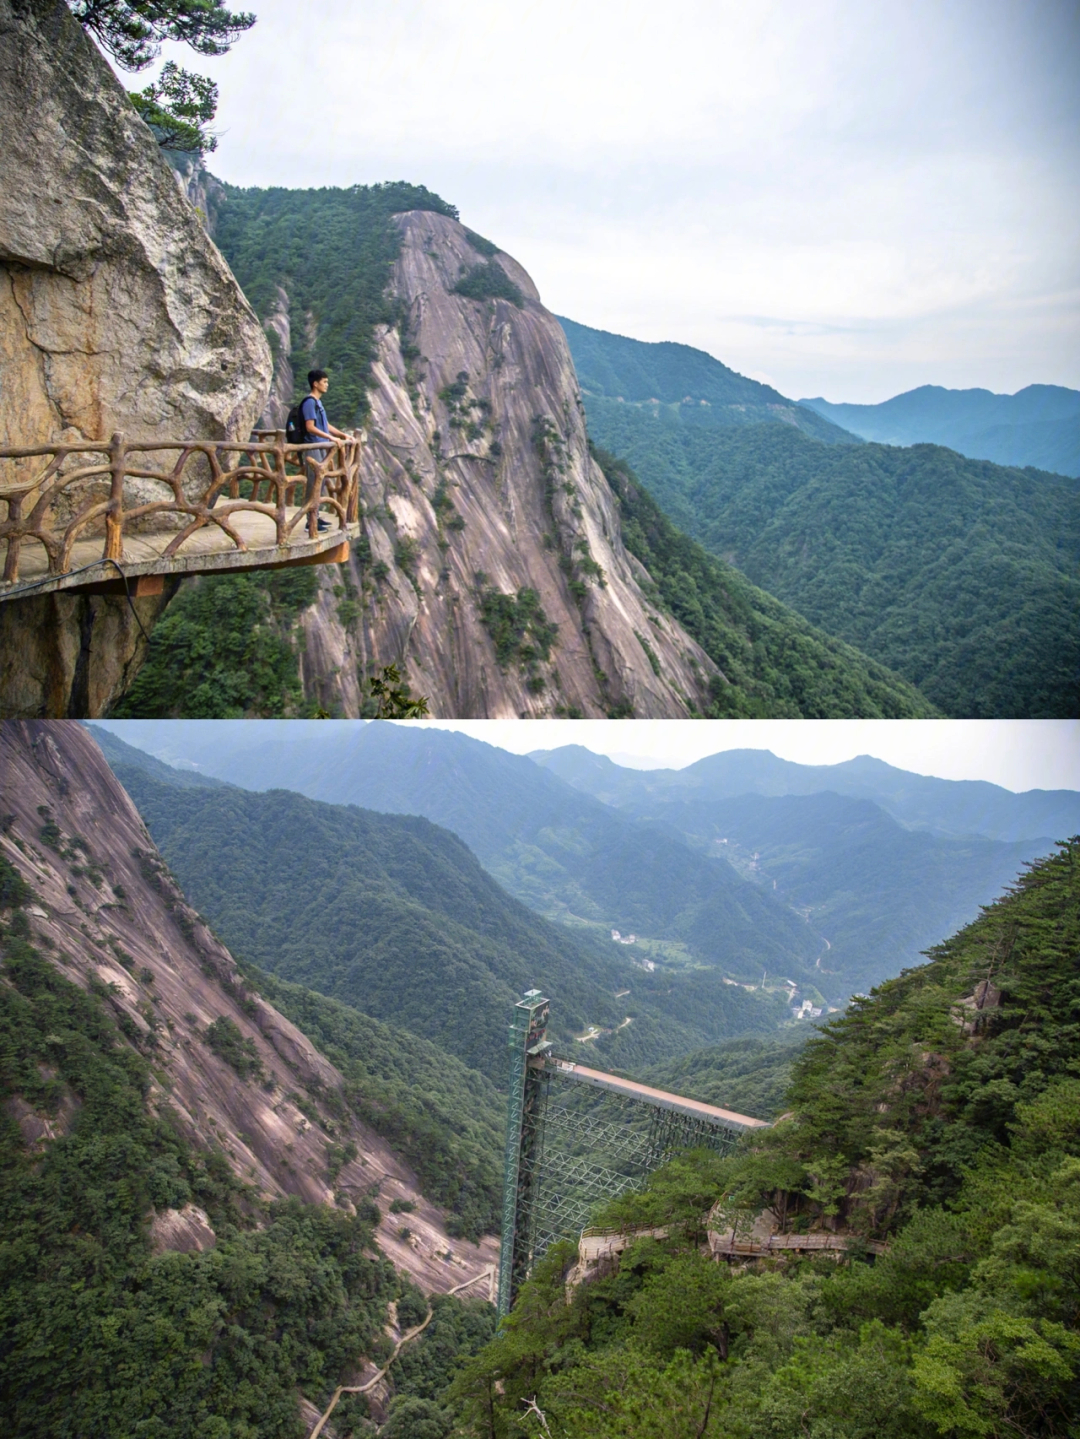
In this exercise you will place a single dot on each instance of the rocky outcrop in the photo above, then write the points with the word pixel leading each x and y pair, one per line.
pixel 202 190
pixel 108 912
pixel 483 509
pixel 278 325
pixel 116 313
pixel 73 653
pixel 184 1231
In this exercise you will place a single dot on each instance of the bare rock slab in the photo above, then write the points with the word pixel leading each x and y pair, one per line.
pixel 478 478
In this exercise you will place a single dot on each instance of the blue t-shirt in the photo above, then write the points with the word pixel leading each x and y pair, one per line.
pixel 312 409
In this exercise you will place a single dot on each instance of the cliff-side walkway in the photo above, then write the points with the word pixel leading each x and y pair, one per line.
pixel 128 514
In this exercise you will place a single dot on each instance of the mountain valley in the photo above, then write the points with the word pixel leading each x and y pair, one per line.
pixel 373 1064
pixel 834 891
pixel 399 920
pixel 180 1128
pixel 490 577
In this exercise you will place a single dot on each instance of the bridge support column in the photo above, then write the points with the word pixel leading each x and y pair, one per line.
pixel 524 1143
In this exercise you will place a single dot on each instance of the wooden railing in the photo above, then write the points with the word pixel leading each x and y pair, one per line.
pixel 85 491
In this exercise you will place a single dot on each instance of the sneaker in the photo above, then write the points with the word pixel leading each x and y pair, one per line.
pixel 323 525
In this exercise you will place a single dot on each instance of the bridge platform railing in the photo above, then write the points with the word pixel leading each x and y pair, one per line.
pixel 75 516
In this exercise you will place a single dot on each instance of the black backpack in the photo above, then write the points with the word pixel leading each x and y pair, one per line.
pixel 295 426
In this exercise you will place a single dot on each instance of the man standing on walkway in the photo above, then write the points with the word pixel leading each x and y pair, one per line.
pixel 317 427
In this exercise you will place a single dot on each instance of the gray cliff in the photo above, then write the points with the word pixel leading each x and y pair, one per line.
pixel 116 313
pixel 477 478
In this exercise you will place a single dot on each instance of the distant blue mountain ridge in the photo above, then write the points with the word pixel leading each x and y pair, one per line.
pixel 1038 426
pixel 834 876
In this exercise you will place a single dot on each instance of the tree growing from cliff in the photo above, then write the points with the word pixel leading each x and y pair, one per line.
pixel 392 695
pixel 178 108
pixel 132 31
pixel 180 105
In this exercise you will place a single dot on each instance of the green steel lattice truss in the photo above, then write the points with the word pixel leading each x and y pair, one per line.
pixel 572 1183
pixel 560 1164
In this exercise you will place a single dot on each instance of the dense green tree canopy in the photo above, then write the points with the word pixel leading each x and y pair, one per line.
pixel 399 919
pixel 773 663
pixel 703 390
pixel 99 1336
pixel 226 647
pixel 960 575
pixel 331 252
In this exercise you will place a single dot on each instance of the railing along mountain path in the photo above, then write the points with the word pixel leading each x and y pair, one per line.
pixel 78 515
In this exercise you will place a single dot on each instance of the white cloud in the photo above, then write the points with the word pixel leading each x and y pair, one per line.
pixel 851 195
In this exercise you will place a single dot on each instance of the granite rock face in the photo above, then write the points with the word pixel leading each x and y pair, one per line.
pixel 283 385
pixel 116 310
pixel 73 653
pixel 135 922
pixel 478 484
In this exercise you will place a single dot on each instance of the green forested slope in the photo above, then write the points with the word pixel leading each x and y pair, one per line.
pixel 947 1130
pixel 227 647
pixel 98 1335
pixel 961 575
pixel 774 663
pixel 749 1075
pixel 841 895
pixel 394 916
pixel 445 1119
pixel 331 251
pixel 558 851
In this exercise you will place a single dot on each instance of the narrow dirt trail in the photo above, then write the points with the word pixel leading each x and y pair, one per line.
pixel 406 1338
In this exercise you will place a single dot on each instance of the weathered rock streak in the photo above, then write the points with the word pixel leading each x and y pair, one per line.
pixel 476 417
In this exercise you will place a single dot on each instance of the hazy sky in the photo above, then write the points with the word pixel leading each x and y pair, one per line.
pixel 842 197
pixel 1019 754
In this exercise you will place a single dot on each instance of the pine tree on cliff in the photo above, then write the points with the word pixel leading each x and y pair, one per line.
pixel 180 106
pixel 132 30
